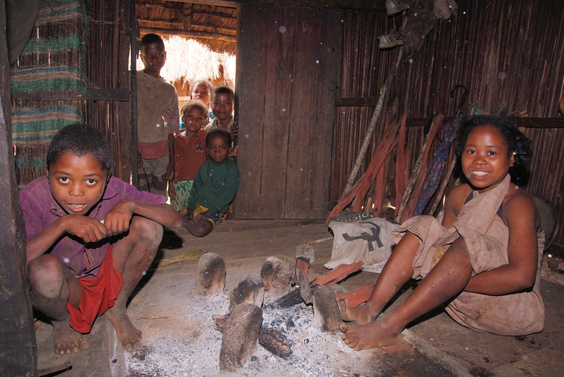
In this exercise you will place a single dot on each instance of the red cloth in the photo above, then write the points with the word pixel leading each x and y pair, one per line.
pixel 98 295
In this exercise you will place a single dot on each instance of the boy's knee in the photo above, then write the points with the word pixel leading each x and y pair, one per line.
pixel 46 275
pixel 145 230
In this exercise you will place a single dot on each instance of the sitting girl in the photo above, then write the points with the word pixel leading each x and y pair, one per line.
pixel 481 257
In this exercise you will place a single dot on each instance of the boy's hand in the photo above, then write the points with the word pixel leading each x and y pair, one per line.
pixel 117 220
pixel 202 216
pixel 234 130
pixel 235 151
pixel 84 227
pixel 189 216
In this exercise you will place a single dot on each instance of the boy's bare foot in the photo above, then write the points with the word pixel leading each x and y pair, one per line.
pixel 128 334
pixel 371 335
pixel 357 314
pixel 66 340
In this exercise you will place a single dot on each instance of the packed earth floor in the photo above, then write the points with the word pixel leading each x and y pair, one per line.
pixel 180 339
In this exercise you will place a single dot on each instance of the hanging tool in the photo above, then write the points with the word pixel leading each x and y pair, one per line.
pixel 462 100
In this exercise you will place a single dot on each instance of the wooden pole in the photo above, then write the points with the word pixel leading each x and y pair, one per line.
pixel 133 86
pixel 18 347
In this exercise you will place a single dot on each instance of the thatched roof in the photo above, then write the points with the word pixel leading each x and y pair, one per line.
pixel 211 25
pixel 188 60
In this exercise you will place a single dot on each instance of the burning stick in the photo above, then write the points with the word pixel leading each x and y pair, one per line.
pixel 339 273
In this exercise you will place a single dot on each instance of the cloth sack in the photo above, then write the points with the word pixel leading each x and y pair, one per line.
pixel 361 237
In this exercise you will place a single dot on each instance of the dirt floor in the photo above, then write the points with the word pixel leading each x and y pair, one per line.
pixel 179 336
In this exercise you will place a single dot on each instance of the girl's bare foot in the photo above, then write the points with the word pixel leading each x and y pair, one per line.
pixel 66 340
pixel 371 335
pixel 358 314
pixel 128 334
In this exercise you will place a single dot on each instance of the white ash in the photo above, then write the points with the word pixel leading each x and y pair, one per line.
pixel 190 346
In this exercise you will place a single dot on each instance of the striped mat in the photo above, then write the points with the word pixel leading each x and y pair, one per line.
pixel 45 84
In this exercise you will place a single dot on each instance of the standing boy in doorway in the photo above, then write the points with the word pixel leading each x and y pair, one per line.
pixel 214 187
pixel 157 117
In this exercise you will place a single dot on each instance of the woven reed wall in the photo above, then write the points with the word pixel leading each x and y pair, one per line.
pixel 107 62
pixel 508 54
pixel 45 84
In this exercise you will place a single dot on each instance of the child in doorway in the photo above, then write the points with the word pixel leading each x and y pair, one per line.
pixel 222 100
pixel 187 154
pixel 201 91
pixel 481 257
pixel 90 238
pixel 157 117
pixel 214 187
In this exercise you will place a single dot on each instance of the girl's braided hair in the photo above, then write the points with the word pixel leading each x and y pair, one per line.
pixel 517 143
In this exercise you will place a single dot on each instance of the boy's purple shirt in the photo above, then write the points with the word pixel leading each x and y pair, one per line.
pixel 40 209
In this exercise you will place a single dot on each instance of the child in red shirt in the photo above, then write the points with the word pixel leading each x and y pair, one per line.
pixel 187 154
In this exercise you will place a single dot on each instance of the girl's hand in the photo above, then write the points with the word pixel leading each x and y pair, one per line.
pixel 169 176
pixel 117 220
pixel 84 227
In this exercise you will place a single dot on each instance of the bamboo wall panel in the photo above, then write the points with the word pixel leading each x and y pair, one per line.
pixel 508 54
pixel 287 69
pixel 107 68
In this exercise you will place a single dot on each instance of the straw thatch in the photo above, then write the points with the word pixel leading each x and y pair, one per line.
pixel 188 60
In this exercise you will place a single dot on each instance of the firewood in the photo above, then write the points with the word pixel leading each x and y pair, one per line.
pixel 358 296
pixel 372 125
pixel 338 273
pixel 415 180
pixel 302 264
pixel 275 342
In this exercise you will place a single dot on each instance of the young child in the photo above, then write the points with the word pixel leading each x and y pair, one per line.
pixel 90 238
pixel 157 117
pixel 201 91
pixel 222 100
pixel 481 258
pixel 187 154
pixel 214 187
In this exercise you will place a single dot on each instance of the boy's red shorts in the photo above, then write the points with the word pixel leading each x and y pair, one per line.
pixel 98 295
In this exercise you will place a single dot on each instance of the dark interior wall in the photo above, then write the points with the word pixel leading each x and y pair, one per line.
pixel 286 82
pixel 18 351
pixel 508 54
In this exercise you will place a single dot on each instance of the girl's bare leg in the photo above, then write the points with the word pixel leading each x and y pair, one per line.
pixel 396 273
pixel 52 285
pixel 132 256
pixel 448 278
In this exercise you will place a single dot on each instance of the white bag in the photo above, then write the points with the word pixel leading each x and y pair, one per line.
pixel 361 237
